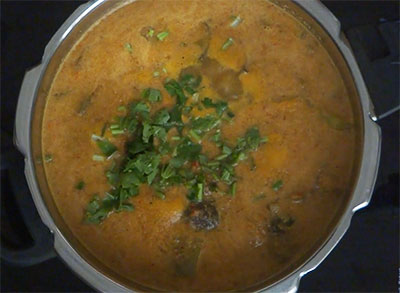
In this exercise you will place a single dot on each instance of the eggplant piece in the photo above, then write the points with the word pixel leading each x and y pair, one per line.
pixel 224 80
pixel 279 224
pixel 279 221
pixel 202 216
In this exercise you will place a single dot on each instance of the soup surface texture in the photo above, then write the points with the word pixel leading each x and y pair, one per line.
pixel 198 145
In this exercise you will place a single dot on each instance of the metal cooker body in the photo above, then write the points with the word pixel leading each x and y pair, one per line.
pixel 361 196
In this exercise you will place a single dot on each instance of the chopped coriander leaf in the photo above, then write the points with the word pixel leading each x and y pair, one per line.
pixel 98 209
pixel 176 117
pixel 116 131
pixel 160 133
pixel 136 147
pixel 153 130
pixel 226 150
pixel 220 106
pixel 175 90
pixel 94 214
pixel 103 130
pixel 161 36
pixel 147 162
pixel 162 117
pixel 126 207
pixel 229 42
pixel 156 74
pixel 196 192
pixel 236 20
pixel 121 108
pixel 147 132
pixel 213 164
pixel 141 109
pixel 277 185
pixel 98 158
pixel 153 95
pixel 199 195
pixel 150 33
pixel 233 189
pixel 208 103
pixel 216 137
pixel 188 150
pixel 194 135
pixel 253 138
pixel 190 82
pixel 48 158
pixel 221 157
pixel 112 177
pixel 201 125
pixel 163 148
pixel 127 123
pixel 168 171
pixel 160 195
pixel 128 179
pixel 96 137
pixel 128 47
pixel 177 162
pixel 106 147
pixel 80 185
pixel 226 176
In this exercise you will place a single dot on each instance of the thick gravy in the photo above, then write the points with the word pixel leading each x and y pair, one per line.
pixel 271 72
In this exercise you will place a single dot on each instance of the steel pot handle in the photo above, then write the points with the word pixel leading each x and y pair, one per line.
pixel 24 109
pixel 42 247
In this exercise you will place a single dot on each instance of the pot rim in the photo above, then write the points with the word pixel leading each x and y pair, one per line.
pixel 363 187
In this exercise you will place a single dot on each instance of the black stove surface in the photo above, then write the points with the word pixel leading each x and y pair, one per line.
pixel 366 259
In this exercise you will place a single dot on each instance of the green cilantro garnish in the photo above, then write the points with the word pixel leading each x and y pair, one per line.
pixel 98 158
pixel 128 47
pixel 229 42
pixel 150 33
pixel 48 158
pixel 161 36
pixel 80 185
pixel 176 90
pixel 152 95
pixel 277 185
pixel 163 151
pixel 106 147
pixel 220 106
pixel 236 20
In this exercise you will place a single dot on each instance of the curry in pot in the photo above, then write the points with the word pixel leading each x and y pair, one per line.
pixel 198 145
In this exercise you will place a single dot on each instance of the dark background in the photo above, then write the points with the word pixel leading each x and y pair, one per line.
pixel 367 258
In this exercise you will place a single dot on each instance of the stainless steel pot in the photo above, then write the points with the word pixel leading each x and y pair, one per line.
pixel 315 17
